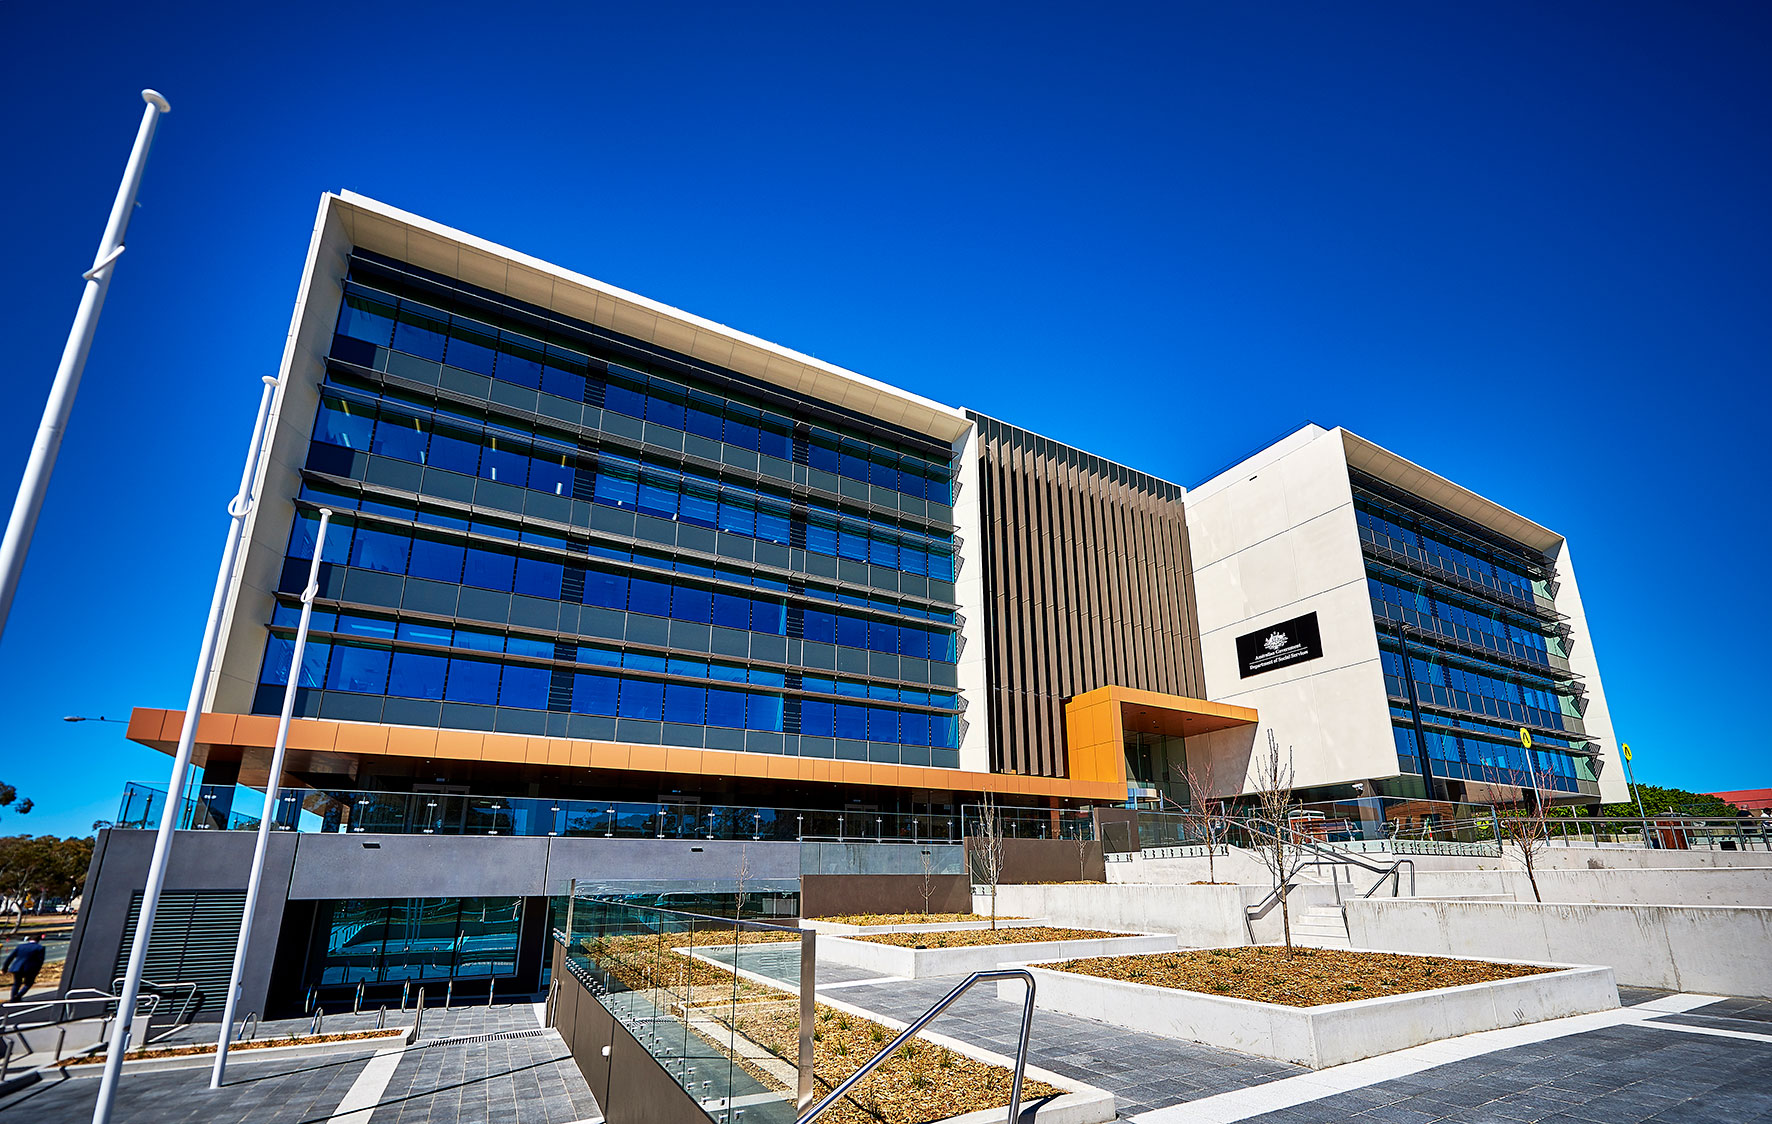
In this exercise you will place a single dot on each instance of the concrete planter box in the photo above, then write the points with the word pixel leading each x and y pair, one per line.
pixel 1333 1033
pixel 919 963
pixel 838 929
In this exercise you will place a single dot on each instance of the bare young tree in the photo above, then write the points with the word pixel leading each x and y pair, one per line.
pixel 986 848
pixel 1082 842
pixel 927 858
pixel 1273 798
pixel 1523 826
pixel 1200 815
pixel 741 885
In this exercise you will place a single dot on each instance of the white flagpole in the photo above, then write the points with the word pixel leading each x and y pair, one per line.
pixel 272 782
pixel 138 955
pixel 35 483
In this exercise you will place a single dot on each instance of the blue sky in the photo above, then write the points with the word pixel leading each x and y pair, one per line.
pixel 1523 244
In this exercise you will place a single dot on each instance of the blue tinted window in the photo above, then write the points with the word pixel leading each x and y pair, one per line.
pixel 741 426
pixel 307 527
pixel 402 437
pixel 647 596
pixel 699 506
pixel 549 472
pixel 816 718
pixel 821 456
pixel 607 590
pixel 472 346
pixel 427 633
pixel 525 687
pixel 537 578
pixel 853 462
pixel 882 637
pixel 941 566
pixel 883 552
pixel 594 694
pixel 624 400
pixel 732 611
pixel 691 604
pixel 821 627
pixel 519 360
pixel 439 561
pixel 704 420
pixel 726 708
pixel 344 423
pixel 913 641
pixel 417 676
pixel 775 442
pixel 642 661
pixel 663 410
pixel 479 641
pixel 642 698
pixel 528 646
pixel 882 724
pixel 772 526
pixel 488 570
pixel 737 516
pixel 500 460
pixel 685 704
pixel 769 616
pixel 421 331
pixel 376 628
pixel 472 681
pixel 851 721
pixel 658 497
pixel 852 633
pixel 763 712
pixel 365 318
pixel 852 543
pixel 569 385
pixel 380 550
pixel 821 538
pixel 913 560
pixel 364 670
pixel 455 451
pixel 313 662
pixel 913 729
pixel 882 473
pixel 617 486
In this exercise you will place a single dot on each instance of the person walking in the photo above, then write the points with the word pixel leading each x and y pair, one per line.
pixel 24 964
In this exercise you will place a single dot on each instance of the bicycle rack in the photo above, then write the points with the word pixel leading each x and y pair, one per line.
pixel 923 1020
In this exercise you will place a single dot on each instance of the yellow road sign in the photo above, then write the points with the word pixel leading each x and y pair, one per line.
pixel 1525 738
pixel 1627 751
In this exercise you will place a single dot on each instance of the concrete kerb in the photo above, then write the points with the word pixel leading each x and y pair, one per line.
pixel 236 1056
pixel 923 963
pixel 1330 1034
pixel 1081 1104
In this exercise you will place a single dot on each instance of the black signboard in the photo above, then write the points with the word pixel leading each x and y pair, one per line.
pixel 1279 645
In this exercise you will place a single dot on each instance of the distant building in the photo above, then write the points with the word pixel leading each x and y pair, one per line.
pixel 1747 799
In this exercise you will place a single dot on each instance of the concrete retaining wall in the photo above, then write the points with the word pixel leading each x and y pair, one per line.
pixel 1720 950
pixel 1330 1034
pixel 1703 885
pixel 1198 916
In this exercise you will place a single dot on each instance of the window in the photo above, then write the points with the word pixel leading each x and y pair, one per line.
pixel 647 596
pixel 685 704
pixel 278 653
pixel 816 718
pixel 852 633
pixel 525 687
pixel 455 450
pixel 421 331
pixel 472 346
pixel 594 694
pixel 664 410
pixel 365 318
pixel 769 616
pixel 344 423
pixel 642 698
pixel 851 721
pixel 608 590
pixel 472 681
pixel 363 670
pixel 380 550
pixel 624 399
pixel 691 604
pixel 763 712
pixel 617 484
pixel 400 437
pixel 519 360
pixel 488 570
pixel 738 516
pixel 821 627
pixel 504 462
pixel 551 473
pixel 882 637
pixel 732 611
pixel 436 560
pixel 658 496
pixel 536 578
pixel 417 676
pixel 726 708
pixel 700 505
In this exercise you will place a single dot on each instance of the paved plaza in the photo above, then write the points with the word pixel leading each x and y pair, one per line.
pixel 1667 1058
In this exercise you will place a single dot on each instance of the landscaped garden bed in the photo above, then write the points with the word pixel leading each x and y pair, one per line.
pixel 1314 1007
pixel 758 1027
pixel 233 1047
pixel 856 924
pixel 918 955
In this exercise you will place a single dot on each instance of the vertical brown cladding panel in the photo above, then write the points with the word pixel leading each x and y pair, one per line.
pixel 1089 585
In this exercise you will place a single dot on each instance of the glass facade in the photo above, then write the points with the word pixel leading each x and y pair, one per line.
pixel 393 940
pixel 540 530
pixel 1473 648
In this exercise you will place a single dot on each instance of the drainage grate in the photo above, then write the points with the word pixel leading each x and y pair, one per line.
pixel 503 1036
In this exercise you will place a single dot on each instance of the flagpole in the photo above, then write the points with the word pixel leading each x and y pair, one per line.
pixel 35 482
pixel 218 1074
pixel 144 928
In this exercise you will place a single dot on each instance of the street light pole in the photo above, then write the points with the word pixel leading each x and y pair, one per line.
pixel 272 783
pixel 35 483
pixel 238 508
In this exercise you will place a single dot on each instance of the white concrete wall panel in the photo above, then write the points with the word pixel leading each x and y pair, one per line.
pixel 969 594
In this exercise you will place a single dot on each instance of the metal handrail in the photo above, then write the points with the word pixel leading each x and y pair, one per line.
pixel 1330 854
pixel 942 1004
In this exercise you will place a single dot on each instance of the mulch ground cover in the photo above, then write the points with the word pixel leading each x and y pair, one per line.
pixel 964 938
pixel 921 1083
pixel 1305 977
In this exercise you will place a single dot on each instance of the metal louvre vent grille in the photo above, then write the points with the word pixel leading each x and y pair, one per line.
pixel 504 1036
pixel 193 940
